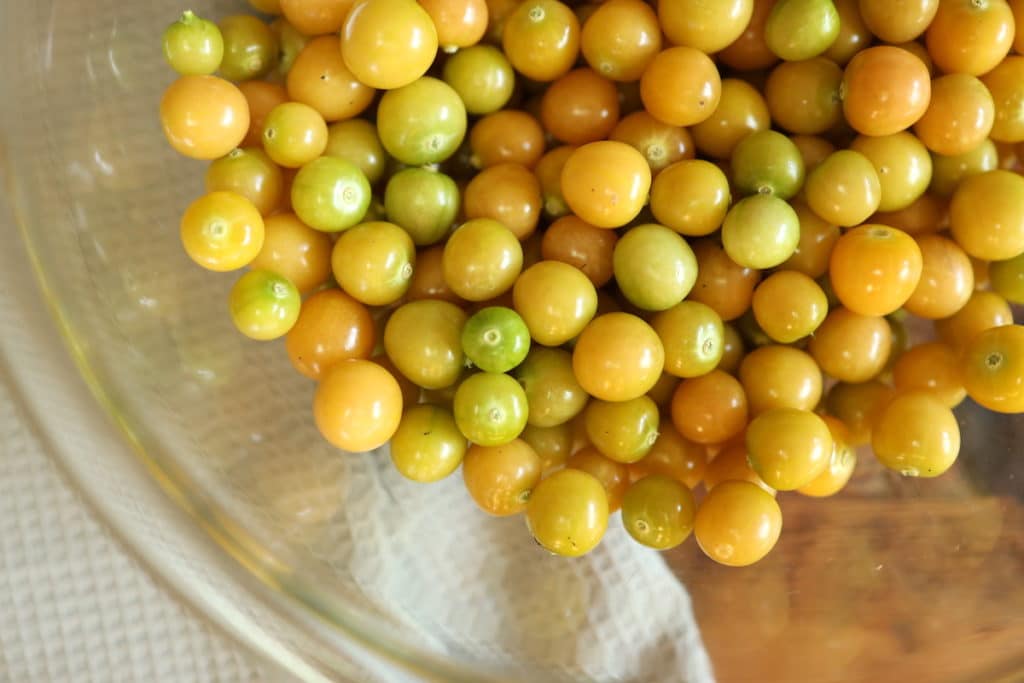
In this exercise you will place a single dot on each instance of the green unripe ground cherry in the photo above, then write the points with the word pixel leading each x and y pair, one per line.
pixel 495 339
pixel 490 408
pixel 658 512
pixel 428 445
pixel 330 194
pixel 193 46
pixel 264 305
pixel 760 231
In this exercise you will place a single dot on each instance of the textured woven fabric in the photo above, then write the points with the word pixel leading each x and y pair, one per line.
pixel 74 605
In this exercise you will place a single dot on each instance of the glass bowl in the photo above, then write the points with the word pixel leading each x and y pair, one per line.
pixel 205 459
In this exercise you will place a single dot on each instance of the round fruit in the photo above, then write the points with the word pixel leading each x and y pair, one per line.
pixel 422 122
pixel 993 369
pixel 654 267
pixel 427 446
pixel 737 523
pixel 490 408
pixel 222 231
pixel 264 305
pixel 568 513
pixel 495 339
pixel 916 435
pixel 618 357
pixel 388 44
pixel 760 231
pixel 204 117
pixel 500 479
pixel 658 512
pixel 193 46
pixel 885 90
pixel 788 448
pixel 606 183
pixel 330 194
pixel 357 406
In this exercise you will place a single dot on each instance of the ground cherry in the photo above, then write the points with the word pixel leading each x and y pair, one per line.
pixel 788 448
pixel 731 463
pixel 993 368
pixel 741 110
pixel 620 39
pixel 681 86
pixel 614 476
pixel 885 90
pixel 222 231
pixel 624 431
pixel 424 341
pixel 916 435
pixel 970 36
pixel 482 259
pixel 721 283
pixel 897 22
pixel 204 117
pixel 801 29
pixel 776 376
pixel 1006 83
pixel 320 79
pixel 1007 278
pixel 427 446
pixel 581 106
pixel 567 513
pixel 490 408
pixel 691 197
pixel 851 347
pixel 576 242
pixel 982 311
pixel 933 367
pixel 388 43
pixel 459 23
pixel 749 51
pixel 903 165
pixel 357 405
pixel 552 391
pixel 541 39
pixel 844 189
pixel 500 479
pixel 193 46
pixel 618 357
pixel 841 464
pixel 674 456
pixel 987 215
pixel 711 408
pixel 858 406
pixel 606 183
pixel 317 16
pixel 874 269
pixel 737 523
pixel 947 279
pixel 959 117
pixel 789 305
pixel 658 512
pixel 693 337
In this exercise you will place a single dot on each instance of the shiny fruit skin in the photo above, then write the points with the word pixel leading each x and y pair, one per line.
pixel 737 523
pixel 568 513
pixel 357 406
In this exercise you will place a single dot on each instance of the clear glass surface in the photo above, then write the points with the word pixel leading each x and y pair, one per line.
pixel 365 576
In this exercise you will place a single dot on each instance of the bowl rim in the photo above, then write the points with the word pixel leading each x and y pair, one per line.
pixel 282 591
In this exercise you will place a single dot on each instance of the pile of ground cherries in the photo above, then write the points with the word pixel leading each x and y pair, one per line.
pixel 600 254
